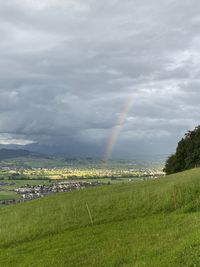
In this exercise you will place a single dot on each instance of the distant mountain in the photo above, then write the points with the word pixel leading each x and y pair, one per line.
pixel 16 153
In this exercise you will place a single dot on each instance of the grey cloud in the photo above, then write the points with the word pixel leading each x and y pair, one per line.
pixel 67 68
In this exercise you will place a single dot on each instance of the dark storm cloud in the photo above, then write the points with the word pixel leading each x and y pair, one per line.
pixel 68 67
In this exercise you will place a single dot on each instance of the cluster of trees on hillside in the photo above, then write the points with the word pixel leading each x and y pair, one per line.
pixel 187 153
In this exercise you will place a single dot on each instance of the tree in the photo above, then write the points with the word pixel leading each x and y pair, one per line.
pixel 187 153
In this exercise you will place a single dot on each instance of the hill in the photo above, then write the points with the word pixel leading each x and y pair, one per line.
pixel 152 223
pixel 16 153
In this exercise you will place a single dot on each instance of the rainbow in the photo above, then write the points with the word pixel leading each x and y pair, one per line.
pixel 116 129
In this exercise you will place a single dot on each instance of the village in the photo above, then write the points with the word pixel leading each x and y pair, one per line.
pixel 20 184
pixel 32 192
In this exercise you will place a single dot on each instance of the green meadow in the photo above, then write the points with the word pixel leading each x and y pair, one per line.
pixel 151 223
pixel 6 195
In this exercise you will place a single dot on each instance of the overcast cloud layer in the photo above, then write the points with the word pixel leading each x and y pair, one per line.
pixel 67 68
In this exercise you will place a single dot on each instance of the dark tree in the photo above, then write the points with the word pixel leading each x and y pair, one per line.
pixel 187 153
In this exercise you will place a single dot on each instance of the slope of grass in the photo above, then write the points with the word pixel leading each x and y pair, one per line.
pixel 152 223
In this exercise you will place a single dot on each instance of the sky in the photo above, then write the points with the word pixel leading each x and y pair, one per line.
pixel 68 68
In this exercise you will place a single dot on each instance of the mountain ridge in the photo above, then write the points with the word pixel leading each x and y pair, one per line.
pixel 6 153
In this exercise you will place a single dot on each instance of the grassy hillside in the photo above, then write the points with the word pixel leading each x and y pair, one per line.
pixel 154 223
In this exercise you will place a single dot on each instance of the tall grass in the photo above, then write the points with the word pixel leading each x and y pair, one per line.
pixel 104 207
pixel 107 204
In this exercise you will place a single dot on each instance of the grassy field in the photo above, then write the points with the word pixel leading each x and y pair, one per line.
pixel 4 195
pixel 153 223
